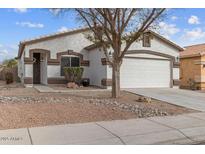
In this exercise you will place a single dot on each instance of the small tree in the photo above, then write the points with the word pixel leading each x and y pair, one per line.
pixel 117 29
pixel 6 69
pixel 10 63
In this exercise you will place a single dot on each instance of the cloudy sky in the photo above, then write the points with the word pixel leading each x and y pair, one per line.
pixel 183 26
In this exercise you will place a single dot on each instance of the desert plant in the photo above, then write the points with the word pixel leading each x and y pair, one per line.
pixel 10 63
pixel 73 74
pixel 9 77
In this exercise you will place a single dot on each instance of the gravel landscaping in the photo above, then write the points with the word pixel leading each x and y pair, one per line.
pixel 25 107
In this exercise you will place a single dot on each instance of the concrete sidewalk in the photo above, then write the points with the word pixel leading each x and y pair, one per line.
pixel 181 129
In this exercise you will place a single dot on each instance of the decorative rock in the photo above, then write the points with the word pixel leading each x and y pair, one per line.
pixel 140 99
pixel 72 85
pixel 147 100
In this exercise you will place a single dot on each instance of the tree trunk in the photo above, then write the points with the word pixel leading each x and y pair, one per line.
pixel 115 80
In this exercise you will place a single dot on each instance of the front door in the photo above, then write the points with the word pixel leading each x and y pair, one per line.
pixel 36 68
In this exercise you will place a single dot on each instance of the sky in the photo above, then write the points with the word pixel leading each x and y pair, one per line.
pixel 182 26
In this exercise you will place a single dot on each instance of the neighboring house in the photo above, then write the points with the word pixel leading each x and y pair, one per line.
pixel 151 62
pixel 192 67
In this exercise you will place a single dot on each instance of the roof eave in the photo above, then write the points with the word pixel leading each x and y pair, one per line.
pixel 20 51
pixel 93 46
pixel 23 43
pixel 166 40
pixel 190 56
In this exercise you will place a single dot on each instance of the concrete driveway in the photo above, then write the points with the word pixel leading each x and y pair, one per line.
pixel 187 98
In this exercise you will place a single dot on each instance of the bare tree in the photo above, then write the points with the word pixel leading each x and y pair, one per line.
pixel 117 29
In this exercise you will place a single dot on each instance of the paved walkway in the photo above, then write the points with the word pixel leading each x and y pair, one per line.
pixel 46 89
pixel 187 98
pixel 182 129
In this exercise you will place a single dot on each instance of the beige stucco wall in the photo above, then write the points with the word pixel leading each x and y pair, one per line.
pixel 96 71
pixel 189 70
pixel 75 42
pixel 157 45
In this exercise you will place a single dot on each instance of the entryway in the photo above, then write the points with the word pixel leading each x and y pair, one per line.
pixel 39 68
pixel 36 68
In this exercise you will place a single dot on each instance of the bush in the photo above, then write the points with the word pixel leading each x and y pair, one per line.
pixel 73 74
pixel 10 63
pixel 9 77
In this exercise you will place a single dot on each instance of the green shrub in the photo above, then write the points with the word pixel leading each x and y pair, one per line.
pixel 9 77
pixel 73 74
pixel 10 63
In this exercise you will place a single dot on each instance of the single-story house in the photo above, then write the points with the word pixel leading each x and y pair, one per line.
pixel 192 67
pixel 150 62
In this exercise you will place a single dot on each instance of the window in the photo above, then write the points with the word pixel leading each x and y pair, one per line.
pixel 146 40
pixel 69 62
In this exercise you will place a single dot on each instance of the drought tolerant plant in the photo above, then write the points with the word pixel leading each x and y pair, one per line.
pixel 73 74
pixel 9 77
pixel 10 63
pixel 7 69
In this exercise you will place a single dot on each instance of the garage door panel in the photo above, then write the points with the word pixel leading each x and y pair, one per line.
pixel 145 73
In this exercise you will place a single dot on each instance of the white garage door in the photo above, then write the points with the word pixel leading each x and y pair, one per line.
pixel 145 73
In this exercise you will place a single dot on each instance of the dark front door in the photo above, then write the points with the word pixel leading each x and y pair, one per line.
pixel 36 68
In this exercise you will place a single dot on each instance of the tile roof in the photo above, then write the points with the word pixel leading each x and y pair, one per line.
pixel 193 50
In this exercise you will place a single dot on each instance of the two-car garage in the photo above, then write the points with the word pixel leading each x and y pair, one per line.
pixel 145 72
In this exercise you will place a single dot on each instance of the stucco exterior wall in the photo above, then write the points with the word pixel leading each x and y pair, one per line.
pixel 54 71
pixel 28 70
pixel 176 73
pixel 157 45
pixel 203 73
pixel 189 70
pixel 97 71
pixel 43 68
pixel 75 42
pixel 21 68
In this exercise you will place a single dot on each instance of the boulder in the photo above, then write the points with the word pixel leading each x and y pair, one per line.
pixel 72 85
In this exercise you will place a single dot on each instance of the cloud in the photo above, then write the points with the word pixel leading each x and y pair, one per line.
pixel 21 10
pixel 3 52
pixel 168 29
pixel 13 46
pixel 30 24
pixel 174 17
pixel 193 20
pixel 55 11
pixel 194 34
pixel 1 45
pixel 62 29
pixel 8 51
